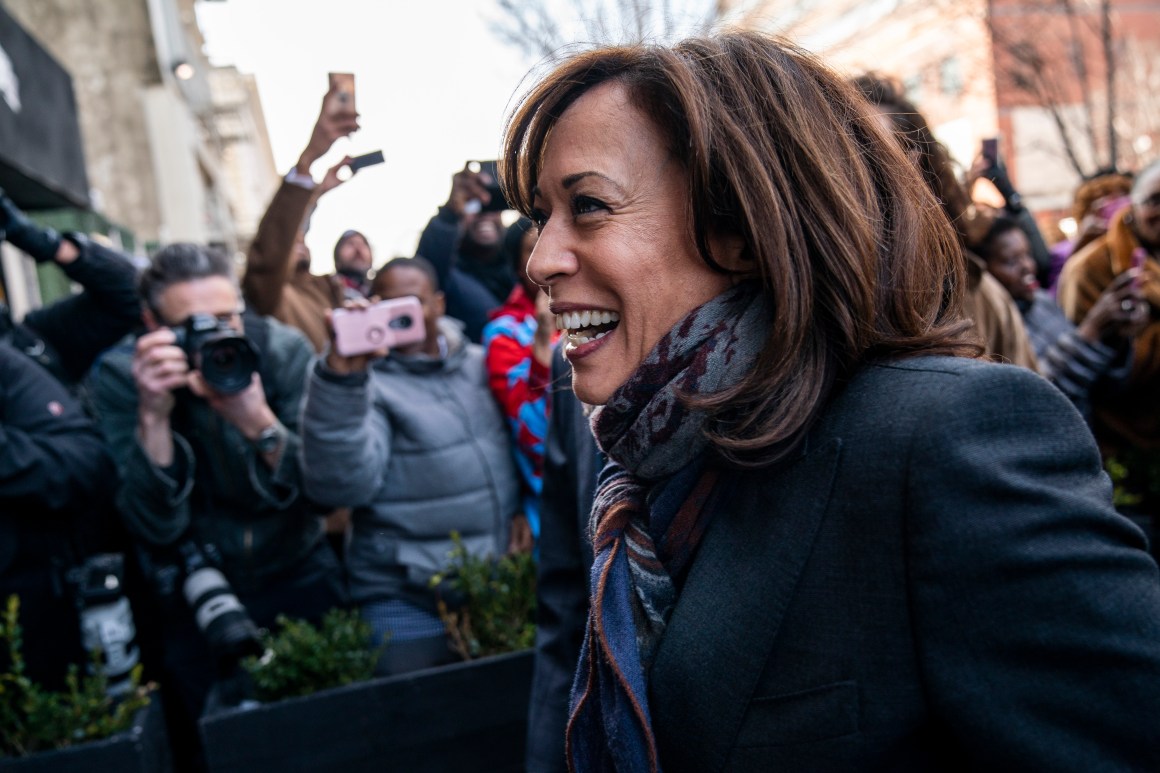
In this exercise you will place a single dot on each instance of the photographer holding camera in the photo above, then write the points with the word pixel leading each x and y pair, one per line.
pixel 201 414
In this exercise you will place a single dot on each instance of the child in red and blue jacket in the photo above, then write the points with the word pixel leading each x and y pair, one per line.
pixel 518 341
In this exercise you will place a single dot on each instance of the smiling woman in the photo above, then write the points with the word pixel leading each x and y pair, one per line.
pixel 821 543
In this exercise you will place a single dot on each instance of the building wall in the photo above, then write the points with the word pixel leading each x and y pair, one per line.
pixel 152 146
pixel 107 46
pixel 247 158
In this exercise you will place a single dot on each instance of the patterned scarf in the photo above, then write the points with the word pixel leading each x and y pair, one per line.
pixel 649 513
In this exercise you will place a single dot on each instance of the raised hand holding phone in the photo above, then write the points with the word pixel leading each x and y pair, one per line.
pixel 362 331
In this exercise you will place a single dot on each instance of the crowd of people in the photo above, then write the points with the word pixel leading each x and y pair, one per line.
pixel 700 430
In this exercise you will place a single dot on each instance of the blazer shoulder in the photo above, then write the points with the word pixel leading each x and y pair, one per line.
pixel 922 374
pixel 910 393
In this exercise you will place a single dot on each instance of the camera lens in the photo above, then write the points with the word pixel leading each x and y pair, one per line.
pixel 223 620
pixel 228 363
pixel 402 323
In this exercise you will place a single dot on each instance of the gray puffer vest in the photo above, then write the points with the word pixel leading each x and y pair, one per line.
pixel 419 449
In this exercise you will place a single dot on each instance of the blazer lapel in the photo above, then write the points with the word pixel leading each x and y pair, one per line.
pixel 742 579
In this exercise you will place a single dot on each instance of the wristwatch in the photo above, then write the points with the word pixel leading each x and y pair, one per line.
pixel 270 439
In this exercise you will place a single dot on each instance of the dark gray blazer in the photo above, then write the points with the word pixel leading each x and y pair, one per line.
pixel 937 581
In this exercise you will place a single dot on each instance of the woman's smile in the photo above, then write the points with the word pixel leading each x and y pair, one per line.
pixel 581 327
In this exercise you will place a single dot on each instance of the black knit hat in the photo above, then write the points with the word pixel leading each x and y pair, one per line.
pixel 346 235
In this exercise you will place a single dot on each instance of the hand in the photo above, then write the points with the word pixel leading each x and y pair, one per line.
pixel 979 168
pixel 1091 227
pixel 333 122
pixel 521 540
pixel 331 180
pixel 39 242
pixel 159 367
pixel 1119 311
pixel 359 362
pixel 467 185
pixel 247 410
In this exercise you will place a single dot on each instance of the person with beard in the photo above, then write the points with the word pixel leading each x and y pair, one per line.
pixel 353 259
pixel 1127 425
pixel 277 281
pixel 463 242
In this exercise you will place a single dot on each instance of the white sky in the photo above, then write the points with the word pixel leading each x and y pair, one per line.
pixel 433 86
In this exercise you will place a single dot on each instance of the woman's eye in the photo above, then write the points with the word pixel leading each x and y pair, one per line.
pixel 539 218
pixel 582 205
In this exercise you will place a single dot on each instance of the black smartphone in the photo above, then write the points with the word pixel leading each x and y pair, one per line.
pixel 366 159
pixel 497 203
pixel 991 148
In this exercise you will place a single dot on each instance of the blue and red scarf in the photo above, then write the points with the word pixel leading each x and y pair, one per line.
pixel 652 505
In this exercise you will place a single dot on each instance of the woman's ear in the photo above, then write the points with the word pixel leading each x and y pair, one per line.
pixel 729 251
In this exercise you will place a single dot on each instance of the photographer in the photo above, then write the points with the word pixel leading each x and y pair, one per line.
pixel 55 477
pixel 463 243
pixel 67 336
pixel 202 421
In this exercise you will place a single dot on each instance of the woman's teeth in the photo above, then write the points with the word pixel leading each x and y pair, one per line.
pixel 588 325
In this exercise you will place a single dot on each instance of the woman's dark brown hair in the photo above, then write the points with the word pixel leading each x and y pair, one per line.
pixel 849 246
pixel 934 161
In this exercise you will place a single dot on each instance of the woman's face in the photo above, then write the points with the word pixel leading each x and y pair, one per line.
pixel 1012 264
pixel 615 245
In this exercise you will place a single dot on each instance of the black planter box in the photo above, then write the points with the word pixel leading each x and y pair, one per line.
pixel 143 748
pixel 463 717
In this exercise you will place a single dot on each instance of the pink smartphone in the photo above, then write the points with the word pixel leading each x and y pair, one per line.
pixel 387 324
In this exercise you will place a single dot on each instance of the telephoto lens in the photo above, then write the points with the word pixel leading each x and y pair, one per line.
pixel 106 618
pixel 224 622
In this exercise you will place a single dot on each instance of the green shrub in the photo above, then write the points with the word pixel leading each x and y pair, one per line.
pixel 33 719
pixel 302 659
pixel 495 609
pixel 1136 477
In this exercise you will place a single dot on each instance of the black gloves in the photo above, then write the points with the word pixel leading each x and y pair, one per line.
pixel 997 174
pixel 39 242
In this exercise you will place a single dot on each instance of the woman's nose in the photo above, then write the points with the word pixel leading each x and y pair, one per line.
pixel 552 258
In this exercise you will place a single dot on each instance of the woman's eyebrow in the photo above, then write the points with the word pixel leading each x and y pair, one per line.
pixel 572 179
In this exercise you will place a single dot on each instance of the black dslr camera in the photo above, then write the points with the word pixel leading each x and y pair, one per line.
pixel 106 618
pixel 226 358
